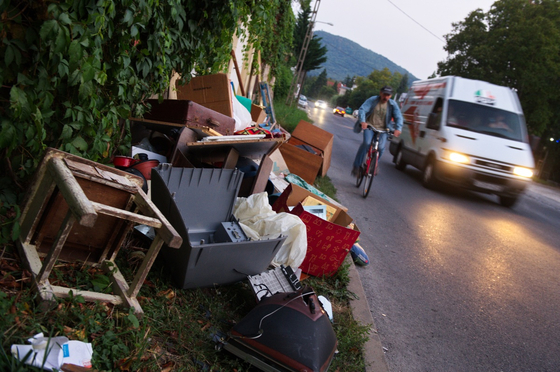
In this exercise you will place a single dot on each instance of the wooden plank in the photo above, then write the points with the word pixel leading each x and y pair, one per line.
pixel 121 287
pixel 167 231
pixel 145 267
pixel 41 190
pixel 120 213
pixel 261 179
pixel 77 201
pixel 52 256
pixel 64 292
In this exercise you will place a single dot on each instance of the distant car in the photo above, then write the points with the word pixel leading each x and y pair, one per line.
pixel 320 104
pixel 355 113
pixel 302 101
pixel 339 111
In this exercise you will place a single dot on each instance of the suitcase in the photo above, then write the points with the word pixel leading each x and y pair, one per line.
pixel 190 114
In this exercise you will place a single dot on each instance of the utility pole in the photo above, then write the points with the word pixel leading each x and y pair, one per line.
pixel 298 76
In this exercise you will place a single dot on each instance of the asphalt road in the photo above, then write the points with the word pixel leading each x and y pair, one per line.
pixel 456 282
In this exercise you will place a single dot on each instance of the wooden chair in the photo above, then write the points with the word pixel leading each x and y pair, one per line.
pixel 80 210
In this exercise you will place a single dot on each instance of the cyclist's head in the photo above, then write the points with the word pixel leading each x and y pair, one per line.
pixel 385 93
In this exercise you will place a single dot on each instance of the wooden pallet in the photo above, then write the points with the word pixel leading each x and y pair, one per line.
pixel 80 210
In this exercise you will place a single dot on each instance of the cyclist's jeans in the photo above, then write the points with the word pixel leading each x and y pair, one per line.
pixel 362 151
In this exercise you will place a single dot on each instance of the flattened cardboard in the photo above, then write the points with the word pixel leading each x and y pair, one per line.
pixel 212 91
pixel 328 243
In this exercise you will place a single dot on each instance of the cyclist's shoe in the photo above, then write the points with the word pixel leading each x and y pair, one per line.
pixel 355 171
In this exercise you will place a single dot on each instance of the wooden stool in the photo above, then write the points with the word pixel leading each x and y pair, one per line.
pixel 106 203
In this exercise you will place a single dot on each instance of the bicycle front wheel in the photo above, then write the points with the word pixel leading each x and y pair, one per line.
pixel 360 176
pixel 369 174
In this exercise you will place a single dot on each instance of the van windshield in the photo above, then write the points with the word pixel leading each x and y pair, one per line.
pixel 486 120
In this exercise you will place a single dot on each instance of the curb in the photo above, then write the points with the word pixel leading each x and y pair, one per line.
pixel 373 351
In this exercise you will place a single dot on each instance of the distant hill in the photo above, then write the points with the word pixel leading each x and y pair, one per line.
pixel 347 58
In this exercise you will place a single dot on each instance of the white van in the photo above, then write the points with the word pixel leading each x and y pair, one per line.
pixel 467 133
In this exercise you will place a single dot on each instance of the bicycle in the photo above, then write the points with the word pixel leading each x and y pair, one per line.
pixel 368 170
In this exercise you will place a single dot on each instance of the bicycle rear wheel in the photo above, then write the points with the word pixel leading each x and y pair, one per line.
pixel 369 174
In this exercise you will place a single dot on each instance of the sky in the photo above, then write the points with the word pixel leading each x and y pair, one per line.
pixel 382 26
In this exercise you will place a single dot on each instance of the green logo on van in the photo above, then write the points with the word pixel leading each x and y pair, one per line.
pixel 485 97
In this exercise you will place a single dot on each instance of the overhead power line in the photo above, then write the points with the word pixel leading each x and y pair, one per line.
pixel 415 21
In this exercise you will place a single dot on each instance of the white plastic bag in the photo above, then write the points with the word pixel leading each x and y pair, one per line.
pixel 259 221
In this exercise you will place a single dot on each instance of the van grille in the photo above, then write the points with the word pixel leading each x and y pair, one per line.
pixel 490 165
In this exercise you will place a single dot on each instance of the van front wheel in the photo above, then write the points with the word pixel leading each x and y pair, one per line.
pixel 399 162
pixel 508 201
pixel 428 178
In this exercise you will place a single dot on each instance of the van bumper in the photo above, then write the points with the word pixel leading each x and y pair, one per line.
pixel 479 181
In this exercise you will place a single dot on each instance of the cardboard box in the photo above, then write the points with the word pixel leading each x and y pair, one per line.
pixel 258 114
pixel 328 242
pixel 211 91
pixel 307 164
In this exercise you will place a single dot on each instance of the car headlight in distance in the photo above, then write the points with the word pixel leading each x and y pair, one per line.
pixel 458 158
pixel 523 172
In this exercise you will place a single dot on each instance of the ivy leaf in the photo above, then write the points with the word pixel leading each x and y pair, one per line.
pixel 9 55
pixel 88 72
pixel 133 31
pixel 47 28
pixel 66 132
pixel 127 17
pixel 20 104
pixel 15 231
pixel 75 52
pixel 65 19
pixel 7 134
pixel 79 143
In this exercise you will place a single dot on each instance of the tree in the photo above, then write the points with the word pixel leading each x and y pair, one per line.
pixel 318 83
pixel 516 44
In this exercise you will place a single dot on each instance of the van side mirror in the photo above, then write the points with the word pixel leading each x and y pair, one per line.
pixel 433 121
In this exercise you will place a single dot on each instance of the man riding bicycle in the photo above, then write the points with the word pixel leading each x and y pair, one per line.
pixel 382 113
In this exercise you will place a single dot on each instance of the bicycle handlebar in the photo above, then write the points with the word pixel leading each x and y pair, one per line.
pixel 380 131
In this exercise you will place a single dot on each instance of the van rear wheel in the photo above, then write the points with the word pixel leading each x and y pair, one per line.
pixel 399 162
pixel 429 180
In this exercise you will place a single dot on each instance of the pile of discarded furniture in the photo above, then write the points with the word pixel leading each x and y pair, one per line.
pixel 189 166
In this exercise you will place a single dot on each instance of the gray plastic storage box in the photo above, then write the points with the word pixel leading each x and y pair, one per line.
pixel 198 202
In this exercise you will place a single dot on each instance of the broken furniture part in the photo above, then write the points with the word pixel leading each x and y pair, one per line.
pixel 189 114
pixel 80 210
pixel 286 331
pixel 197 201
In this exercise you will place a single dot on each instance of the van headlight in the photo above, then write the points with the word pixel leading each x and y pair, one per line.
pixel 523 172
pixel 458 158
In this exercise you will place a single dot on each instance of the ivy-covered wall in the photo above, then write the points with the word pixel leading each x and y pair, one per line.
pixel 72 72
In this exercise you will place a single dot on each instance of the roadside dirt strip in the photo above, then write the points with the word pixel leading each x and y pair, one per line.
pixel 373 351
